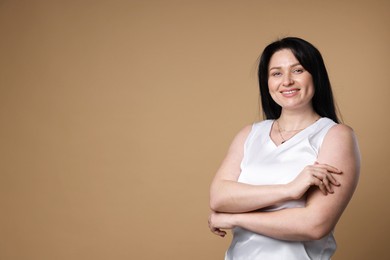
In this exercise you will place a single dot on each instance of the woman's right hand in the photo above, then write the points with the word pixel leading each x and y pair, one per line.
pixel 320 175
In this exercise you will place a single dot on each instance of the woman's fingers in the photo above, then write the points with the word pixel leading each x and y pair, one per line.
pixel 332 179
pixel 328 167
pixel 215 230
pixel 324 173
pixel 327 184
pixel 317 174
pixel 322 187
pixel 218 232
pixel 329 181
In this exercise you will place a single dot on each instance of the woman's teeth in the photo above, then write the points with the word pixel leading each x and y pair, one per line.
pixel 289 92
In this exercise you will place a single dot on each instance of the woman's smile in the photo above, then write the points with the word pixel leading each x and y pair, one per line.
pixel 289 92
pixel 289 83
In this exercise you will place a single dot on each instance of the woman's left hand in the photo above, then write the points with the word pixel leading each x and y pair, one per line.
pixel 220 221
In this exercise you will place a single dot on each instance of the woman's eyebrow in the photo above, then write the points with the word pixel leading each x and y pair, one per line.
pixel 279 67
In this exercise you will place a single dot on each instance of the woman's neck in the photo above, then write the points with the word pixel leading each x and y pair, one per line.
pixel 289 121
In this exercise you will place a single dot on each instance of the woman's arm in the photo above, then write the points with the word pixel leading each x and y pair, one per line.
pixel 229 196
pixel 321 213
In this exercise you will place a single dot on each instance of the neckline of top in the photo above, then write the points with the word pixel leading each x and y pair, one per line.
pixel 294 136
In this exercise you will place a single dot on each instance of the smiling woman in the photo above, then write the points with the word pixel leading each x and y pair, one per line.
pixel 286 180
pixel 290 85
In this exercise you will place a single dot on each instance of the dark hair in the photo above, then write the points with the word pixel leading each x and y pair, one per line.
pixel 310 58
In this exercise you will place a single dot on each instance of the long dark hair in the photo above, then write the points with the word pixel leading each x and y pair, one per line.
pixel 311 59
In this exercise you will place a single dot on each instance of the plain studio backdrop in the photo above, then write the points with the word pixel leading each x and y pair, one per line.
pixel 115 116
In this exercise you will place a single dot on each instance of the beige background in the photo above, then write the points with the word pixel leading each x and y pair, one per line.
pixel 116 114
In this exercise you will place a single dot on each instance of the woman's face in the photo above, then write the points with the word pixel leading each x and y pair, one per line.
pixel 290 85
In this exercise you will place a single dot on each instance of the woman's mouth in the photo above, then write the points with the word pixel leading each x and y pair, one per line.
pixel 289 92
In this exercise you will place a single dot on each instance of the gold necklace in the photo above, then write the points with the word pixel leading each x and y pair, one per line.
pixel 296 130
pixel 280 133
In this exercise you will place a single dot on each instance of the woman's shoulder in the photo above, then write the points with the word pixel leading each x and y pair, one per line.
pixel 336 127
pixel 341 149
pixel 332 128
pixel 341 130
pixel 341 134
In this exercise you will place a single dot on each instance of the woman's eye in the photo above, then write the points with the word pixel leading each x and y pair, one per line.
pixel 276 74
pixel 298 71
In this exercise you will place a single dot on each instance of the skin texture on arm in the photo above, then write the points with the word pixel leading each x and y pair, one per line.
pixel 321 213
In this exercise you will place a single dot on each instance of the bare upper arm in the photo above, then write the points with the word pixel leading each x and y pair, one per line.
pixel 339 149
pixel 230 166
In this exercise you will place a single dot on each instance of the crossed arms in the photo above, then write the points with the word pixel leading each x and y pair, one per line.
pixel 328 185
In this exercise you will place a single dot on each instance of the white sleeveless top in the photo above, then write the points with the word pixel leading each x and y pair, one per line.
pixel 264 163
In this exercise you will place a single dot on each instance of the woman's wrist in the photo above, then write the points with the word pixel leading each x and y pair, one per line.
pixel 235 219
pixel 289 193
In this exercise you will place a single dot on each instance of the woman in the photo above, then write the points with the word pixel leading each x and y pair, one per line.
pixel 286 180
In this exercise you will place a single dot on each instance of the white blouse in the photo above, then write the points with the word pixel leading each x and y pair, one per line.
pixel 264 163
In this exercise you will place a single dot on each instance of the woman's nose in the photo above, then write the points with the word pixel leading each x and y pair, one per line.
pixel 287 79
